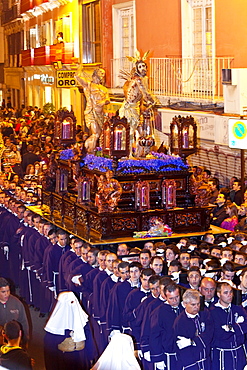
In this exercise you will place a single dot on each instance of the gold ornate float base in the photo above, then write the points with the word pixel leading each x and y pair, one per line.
pixel 88 222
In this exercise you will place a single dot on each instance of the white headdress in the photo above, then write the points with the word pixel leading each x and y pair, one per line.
pixel 68 315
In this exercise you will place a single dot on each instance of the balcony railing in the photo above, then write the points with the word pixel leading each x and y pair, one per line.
pixel 116 66
pixel 188 78
pixel 183 78
pixel 49 54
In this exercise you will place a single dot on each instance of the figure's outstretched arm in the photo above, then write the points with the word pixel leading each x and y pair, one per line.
pixel 82 77
pixel 148 98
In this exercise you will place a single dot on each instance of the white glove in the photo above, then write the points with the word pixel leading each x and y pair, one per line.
pixel 175 276
pixel 147 357
pixel 75 279
pixel 210 274
pixel 6 251
pixel 139 354
pixel 244 303
pixel 52 288
pixel 38 277
pixel 160 365
pixel 113 332
pixel 223 244
pixel 183 342
pixel 227 328
pixel 239 320
pixel 223 261
pixel 206 261
pixel 126 330
pixel 28 268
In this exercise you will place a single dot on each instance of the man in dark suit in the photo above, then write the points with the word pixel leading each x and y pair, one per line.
pixel 29 158
pixel 219 212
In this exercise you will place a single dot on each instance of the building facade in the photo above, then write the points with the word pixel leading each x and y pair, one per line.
pixel 190 42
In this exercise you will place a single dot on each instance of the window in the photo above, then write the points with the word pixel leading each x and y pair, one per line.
pixel 124 39
pixel 42 34
pixel 64 25
pixel 127 32
pixel 32 38
pixel 91 32
pixel 202 31
pixel 14 48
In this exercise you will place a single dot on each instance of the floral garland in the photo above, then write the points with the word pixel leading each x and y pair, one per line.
pixel 97 163
pixel 158 162
pixel 161 163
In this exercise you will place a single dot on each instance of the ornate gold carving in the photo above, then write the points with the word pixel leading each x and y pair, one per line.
pixel 124 223
pixel 187 219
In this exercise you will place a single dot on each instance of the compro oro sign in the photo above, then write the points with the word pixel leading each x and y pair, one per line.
pixel 66 78
pixel 237 133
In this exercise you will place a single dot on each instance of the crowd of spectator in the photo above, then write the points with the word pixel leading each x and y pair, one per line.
pixel 133 291
pixel 183 303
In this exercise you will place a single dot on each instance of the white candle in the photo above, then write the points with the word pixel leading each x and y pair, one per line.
pixel 66 130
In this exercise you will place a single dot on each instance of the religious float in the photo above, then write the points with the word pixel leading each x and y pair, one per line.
pixel 114 196
pixel 125 188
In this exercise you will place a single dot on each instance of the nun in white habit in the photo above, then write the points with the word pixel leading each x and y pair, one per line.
pixel 68 342
pixel 118 355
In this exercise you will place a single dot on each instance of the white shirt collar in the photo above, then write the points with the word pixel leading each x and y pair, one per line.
pixel 162 299
pixel 190 316
pixel 220 305
pixel 114 278
pixel 109 273
pixel 207 303
pixel 136 285
pixel 144 290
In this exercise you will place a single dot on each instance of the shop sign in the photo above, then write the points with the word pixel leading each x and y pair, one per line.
pixel 44 78
pixel 47 79
pixel 66 78
pixel 237 133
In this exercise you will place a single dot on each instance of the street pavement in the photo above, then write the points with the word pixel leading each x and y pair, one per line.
pixel 36 348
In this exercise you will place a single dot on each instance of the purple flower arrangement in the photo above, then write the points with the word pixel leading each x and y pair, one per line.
pixel 161 163
pixel 97 163
pixel 67 154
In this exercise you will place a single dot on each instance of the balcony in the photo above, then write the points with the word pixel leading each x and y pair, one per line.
pixel 46 55
pixel 27 57
pixel 10 14
pixel 62 52
pixel 196 79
